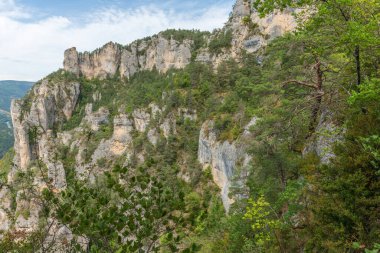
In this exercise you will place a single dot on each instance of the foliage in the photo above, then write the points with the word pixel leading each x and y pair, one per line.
pixel 197 37
pixel 221 40
pixel 258 212
pixel 348 187
pixel 290 199
pixel 133 206
pixel 6 165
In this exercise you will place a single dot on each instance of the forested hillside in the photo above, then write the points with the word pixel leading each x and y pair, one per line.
pixel 270 143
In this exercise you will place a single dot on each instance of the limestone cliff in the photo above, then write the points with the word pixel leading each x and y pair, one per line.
pixel 249 33
pixel 102 137
pixel 158 52
pixel 223 157
pixel 34 118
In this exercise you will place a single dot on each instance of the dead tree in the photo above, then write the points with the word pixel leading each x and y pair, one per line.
pixel 317 93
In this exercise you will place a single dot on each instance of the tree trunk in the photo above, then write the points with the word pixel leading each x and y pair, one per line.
pixel 282 177
pixel 357 61
pixel 318 99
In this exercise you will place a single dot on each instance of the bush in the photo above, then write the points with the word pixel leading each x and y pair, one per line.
pixel 222 40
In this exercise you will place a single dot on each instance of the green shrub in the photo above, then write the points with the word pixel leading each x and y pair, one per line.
pixel 222 40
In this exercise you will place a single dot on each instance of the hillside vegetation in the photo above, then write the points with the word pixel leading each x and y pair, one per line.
pixel 312 183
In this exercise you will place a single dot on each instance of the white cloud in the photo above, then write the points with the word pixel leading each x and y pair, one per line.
pixel 8 8
pixel 30 50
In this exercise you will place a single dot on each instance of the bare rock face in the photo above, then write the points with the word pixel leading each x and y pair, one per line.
pixel 322 143
pixel 251 32
pixel 5 209
pixel 49 103
pixel 164 54
pixel 120 142
pixel 158 52
pixel 71 61
pixel 56 172
pixel 22 146
pixel 101 63
pixel 27 212
pixel 222 157
pixel 95 119
pixel 141 119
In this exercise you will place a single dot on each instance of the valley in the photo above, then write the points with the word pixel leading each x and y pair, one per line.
pixel 9 90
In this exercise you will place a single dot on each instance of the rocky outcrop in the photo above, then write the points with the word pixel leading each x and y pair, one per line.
pixel 326 135
pixel 50 103
pixel 47 104
pixel 141 119
pixel 27 212
pixel 223 157
pixel 95 119
pixel 37 117
pixel 119 146
pixel 55 170
pixel 5 209
pixel 155 53
pixel 120 142
pixel 249 33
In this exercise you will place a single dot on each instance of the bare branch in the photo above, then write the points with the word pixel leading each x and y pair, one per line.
pixel 300 83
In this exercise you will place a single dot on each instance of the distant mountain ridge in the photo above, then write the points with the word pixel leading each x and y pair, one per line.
pixel 9 89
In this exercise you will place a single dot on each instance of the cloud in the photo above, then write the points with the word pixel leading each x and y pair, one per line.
pixel 30 49
pixel 8 8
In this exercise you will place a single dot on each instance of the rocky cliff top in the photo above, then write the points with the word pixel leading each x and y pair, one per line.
pixel 113 59
pixel 245 31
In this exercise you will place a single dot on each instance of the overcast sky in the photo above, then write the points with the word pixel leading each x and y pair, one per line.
pixel 35 33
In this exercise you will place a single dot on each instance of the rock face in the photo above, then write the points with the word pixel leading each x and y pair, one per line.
pixel 158 52
pixel 120 142
pixel 249 33
pixel 33 119
pixel 222 157
pixel 95 119
pixel 50 103
pixel 119 145
pixel 5 209
pixel 322 143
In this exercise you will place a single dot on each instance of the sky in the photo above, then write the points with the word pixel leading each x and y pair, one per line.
pixel 35 33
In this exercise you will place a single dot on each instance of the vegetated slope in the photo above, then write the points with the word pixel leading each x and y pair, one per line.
pixel 280 138
pixel 9 90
